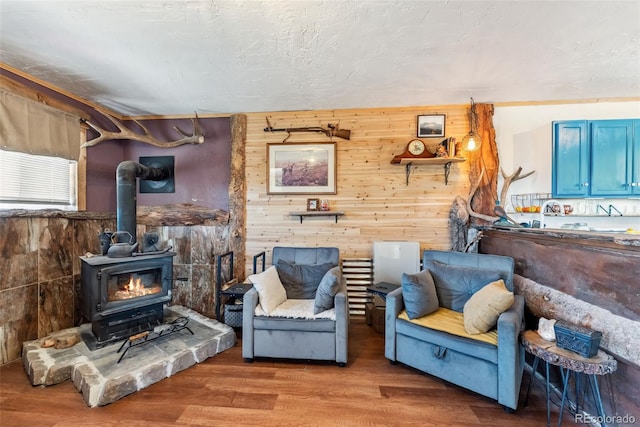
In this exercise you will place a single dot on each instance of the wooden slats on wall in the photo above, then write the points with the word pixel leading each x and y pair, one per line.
pixel 358 273
pixel 377 203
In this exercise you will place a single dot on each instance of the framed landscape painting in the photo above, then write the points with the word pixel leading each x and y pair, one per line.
pixel 431 126
pixel 301 168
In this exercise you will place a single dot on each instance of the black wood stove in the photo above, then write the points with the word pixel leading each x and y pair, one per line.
pixel 124 296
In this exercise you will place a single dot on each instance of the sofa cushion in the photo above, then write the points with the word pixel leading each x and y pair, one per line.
pixel 300 281
pixel 296 309
pixel 484 307
pixel 419 294
pixel 271 293
pixel 456 284
pixel 451 322
pixel 327 290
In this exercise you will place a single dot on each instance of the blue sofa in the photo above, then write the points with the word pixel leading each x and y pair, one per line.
pixel 491 370
pixel 298 338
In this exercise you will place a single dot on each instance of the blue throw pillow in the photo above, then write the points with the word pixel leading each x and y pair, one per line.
pixel 456 284
pixel 301 280
pixel 327 290
pixel 419 294
pixel 291 277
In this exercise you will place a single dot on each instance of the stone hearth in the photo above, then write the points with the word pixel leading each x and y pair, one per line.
pixel 101 380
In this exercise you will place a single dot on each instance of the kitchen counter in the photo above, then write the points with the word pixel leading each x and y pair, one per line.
pixel 595 238
pixel 599 222
pixel 600 268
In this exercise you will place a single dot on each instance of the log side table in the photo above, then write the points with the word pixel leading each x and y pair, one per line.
pixel 568 361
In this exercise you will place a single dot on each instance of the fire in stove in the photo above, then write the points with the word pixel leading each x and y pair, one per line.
pixel 134 288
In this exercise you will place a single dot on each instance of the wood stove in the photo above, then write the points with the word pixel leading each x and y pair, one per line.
pixel 124 296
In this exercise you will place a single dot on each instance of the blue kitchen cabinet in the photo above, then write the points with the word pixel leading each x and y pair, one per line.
pixel 635 173
pixel 611 157
pixel 597 158
pixel 570 176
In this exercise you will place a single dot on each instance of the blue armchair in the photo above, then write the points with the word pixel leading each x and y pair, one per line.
pixel 314 336
pixel 492 370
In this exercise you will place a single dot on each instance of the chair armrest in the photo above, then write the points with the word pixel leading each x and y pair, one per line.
pixel 249 303
pixel 510 353
pixel 511 322
pixel 395 304
pixel 341 304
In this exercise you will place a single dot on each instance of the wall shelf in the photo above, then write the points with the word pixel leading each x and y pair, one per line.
pixel 306 214
pixel 446 161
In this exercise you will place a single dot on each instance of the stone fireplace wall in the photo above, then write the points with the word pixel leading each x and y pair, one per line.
pixel 40 270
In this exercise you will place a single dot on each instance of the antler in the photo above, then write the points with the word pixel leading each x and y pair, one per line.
pixel 125 133
pixel 474 186
pixel 508 180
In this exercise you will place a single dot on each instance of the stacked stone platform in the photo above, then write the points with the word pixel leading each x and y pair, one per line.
pixel 101 380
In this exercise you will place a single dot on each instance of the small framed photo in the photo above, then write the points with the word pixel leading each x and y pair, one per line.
pixel 313 204
pixel 431 126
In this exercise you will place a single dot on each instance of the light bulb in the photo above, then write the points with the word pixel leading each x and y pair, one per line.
pixel 471 145
pixel 471 141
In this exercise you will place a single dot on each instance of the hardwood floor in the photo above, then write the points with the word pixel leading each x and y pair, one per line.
pixel 226 391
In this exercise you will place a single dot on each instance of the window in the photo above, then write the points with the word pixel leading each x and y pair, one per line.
pixel 29 181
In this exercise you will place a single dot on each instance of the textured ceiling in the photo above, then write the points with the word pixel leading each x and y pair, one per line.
pixel 176 57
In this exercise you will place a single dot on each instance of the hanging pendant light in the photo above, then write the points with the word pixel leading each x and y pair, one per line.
pixel 472 141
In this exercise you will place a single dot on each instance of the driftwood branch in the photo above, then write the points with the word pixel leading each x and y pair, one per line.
pixel 458 224
pixel 508 179
pixel 472 191
pixel 197 137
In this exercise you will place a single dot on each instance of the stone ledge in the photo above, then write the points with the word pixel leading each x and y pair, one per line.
pixel 181 214
pixel 101 380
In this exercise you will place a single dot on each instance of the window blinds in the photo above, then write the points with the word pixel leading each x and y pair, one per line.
pixel 31 179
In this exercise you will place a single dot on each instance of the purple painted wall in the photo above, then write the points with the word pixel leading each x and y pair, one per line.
pixel 202 172
pixel 101 176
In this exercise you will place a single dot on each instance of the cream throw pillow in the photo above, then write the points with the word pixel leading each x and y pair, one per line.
pixel 484 307
pixel 271 293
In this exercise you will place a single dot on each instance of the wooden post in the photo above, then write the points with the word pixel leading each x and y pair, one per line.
pixel 237 194
pixel 81 190
pixel 485 197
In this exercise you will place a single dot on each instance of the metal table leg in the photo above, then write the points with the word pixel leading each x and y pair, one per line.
pixel 531 379
pixel 597 397
pixel 565 381
pixel 547 393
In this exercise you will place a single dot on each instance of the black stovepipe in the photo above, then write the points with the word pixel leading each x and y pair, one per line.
pixel 126 199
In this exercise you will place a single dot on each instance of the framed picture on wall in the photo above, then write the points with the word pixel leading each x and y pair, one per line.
pixel 431 125
pixel 301 168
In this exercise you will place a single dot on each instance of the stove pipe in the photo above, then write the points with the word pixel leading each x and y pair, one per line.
pixel 126 175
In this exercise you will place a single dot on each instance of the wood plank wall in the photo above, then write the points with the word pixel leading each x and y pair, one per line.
pixel 377 203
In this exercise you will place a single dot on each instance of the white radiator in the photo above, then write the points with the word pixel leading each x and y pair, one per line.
pixel 391 259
